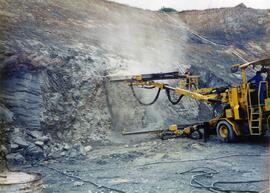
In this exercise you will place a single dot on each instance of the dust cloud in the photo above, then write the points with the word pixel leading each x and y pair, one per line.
pixel 145 44
pixel 141 43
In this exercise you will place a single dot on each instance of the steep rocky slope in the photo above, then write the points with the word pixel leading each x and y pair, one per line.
pixel 54 56
pixel 245 29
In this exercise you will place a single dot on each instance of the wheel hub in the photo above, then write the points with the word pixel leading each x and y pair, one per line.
pixel 223 131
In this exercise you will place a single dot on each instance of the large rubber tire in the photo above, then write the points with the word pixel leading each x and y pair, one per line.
pixel 225 132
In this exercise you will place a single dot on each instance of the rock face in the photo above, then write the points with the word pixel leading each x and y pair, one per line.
pixel 21 93
pixel 55 55
pixel 244 29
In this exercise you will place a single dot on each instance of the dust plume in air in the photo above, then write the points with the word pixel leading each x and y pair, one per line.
pixel 146 43
pixel 141 43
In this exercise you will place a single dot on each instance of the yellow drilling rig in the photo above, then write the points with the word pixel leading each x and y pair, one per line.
pixel 246 107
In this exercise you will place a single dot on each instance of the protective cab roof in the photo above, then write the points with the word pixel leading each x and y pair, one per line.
pixel 262 62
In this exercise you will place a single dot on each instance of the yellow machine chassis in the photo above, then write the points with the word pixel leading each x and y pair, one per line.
pixel 240 107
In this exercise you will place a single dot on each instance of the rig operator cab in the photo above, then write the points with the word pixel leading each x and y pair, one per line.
pixel 248 105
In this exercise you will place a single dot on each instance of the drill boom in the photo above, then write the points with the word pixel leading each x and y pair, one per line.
pixel 148 77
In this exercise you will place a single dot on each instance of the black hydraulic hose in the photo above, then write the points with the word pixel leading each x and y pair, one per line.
pixel 170 98
pixel 206 172
pixel 142 103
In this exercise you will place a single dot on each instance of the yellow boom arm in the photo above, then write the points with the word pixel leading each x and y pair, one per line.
pixel 209 95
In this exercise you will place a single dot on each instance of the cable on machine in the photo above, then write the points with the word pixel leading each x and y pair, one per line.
pixel 168 93
pixel 142 103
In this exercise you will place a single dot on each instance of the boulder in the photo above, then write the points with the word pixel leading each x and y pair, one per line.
pixel 39 143
pixel 38 135
pixel 45 139
pixel 66 147
pixel 55 154
pixel 33 152
pixel 35 134
pixel 79 147
pixel 15 158
pixel 77 150
pixel 88 148
pixel 59 135
pixel 20 141
pixel 14 147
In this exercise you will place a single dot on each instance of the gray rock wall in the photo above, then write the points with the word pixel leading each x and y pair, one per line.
pixel 21 94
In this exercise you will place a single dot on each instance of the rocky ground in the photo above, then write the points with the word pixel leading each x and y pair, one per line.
pixel 56 102
pixel 157 166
